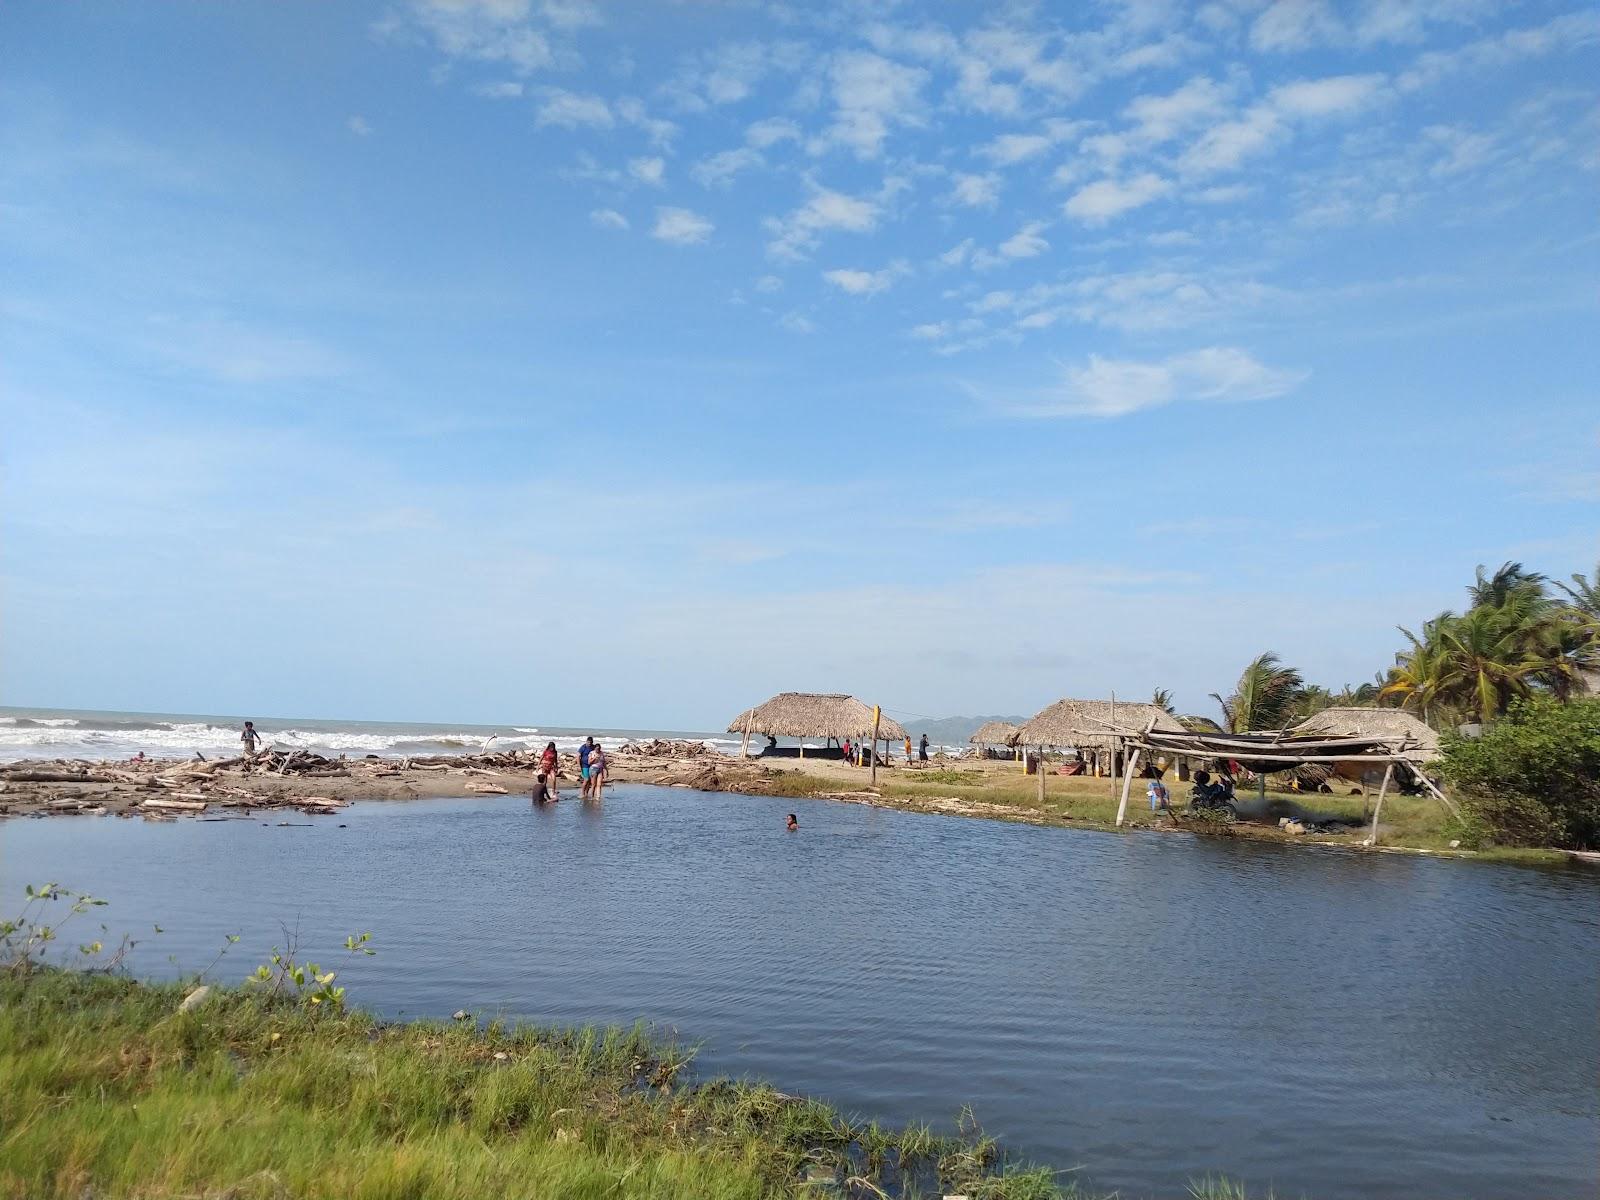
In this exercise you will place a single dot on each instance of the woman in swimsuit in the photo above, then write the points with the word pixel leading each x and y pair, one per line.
pixel 597 772
pixel 548 764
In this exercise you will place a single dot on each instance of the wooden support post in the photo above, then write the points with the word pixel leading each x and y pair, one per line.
pixel 1116 747
pixel 877 720
pixel 1377 809
pixel 1039 771
pixel 1127 786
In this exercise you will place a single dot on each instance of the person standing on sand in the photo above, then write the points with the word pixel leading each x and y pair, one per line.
pixel 597 772
pixel 908 749
pixel 249 737
pixel 844 750
pixel 922 750
pixel 548 763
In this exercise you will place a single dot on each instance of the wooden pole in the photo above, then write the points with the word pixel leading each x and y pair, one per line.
pixel 1388 774
pixel 1127 786
pixel 877 720
pixel 1038 770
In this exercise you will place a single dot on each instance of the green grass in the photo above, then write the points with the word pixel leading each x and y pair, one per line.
pixel 106 1089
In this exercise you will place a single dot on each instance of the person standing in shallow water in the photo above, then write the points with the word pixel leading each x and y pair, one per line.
pixel 597 772
pixel 547 764
pixel 584 753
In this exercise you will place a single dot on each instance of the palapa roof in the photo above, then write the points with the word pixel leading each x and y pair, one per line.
pixel 814 714
pixel 995 733
pixel 1391 725
pixel 1093 724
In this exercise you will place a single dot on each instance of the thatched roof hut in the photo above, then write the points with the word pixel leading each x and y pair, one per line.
pixel 1392 725
pixel 814 715
pixel 1093 724
pixel 995 733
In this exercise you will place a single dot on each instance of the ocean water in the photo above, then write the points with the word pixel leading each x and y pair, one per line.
pixel 1141 1009
pixel 89 734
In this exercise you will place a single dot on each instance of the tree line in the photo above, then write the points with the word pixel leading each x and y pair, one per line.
pixel 1520 637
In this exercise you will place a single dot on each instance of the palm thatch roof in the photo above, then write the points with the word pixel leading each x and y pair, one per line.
pixel 1391 725
pixel 1093 724
pixel 995 733
pixel 814 714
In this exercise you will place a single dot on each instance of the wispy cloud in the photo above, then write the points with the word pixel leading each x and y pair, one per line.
pixel 681 227
pixel 1107 387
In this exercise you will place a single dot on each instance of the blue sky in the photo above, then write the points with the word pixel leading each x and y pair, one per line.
pixel 497 360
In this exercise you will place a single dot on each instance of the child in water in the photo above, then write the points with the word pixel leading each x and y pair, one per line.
pixel 793 824
pixel 541 790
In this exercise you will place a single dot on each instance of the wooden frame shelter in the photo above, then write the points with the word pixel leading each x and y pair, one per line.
pixel 1267 752
pixel 995 733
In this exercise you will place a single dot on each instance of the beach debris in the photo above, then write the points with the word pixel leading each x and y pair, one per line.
pixel 487 789
pixel 162 802
pixel 195 998
pixel 461 1014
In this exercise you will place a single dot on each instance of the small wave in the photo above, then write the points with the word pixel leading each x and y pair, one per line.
pixel 524 729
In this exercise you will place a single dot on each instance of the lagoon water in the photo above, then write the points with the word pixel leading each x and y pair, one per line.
pixel 1143 1009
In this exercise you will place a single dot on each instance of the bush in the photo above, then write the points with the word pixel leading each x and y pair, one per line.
pixel 1533 778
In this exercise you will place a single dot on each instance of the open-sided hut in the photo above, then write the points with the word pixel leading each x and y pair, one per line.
pixel 1094 724
pixel 992 734
pixel 1395 727
pixel 813 715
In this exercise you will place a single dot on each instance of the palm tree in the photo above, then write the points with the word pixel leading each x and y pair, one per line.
pixel 1492 653
pixel 1418 678
pixel 1584 595
pixel 1163 700
pixel 1511 578
pixel 1264 697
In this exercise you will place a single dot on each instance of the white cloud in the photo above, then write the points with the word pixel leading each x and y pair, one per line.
pixel 796 322
pixel 1460 150
pixel 572 14
pixel 1161 118
pixel 976 191
pixel 632 110
pixel 1295 25
pixel 571 110
pixel 827 210
pixel 769 284
pixel 493 31
pixel 650 171
pixel 1105 387
pixel 1226 146
pixel 720 169
pixel 1011 148
pixel 359 126
pixel 865 283
pixel 1099 202
pixel 1026 242
pixel 681 227
pixel 771 131
pixel 504 90
pixel 1571 32
pixel 608 218
pixel 871 93
pixel 1326 97
pixel 957 254
pixel 932 331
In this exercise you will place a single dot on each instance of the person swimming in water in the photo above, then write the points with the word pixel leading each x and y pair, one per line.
pixel 793 823
pixel 541 790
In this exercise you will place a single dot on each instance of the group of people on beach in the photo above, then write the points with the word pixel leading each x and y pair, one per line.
pixel 591 772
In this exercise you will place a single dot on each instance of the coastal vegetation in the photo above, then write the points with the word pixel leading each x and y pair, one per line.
pixel 276 1089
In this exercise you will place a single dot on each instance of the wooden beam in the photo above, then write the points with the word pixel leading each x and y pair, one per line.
pixel 1383 788
pixel 1127 784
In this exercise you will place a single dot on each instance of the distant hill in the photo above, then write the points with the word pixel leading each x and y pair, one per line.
pixel 951 731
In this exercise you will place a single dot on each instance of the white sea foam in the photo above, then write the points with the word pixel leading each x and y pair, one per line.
pixel 65 738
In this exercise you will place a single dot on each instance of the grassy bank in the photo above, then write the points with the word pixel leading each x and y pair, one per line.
pixel 1000 790
pixel 111 1091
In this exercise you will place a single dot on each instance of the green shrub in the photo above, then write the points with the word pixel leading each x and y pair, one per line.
pixel 1533 778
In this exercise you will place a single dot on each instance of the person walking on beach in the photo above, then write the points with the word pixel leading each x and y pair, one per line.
pixel 548 764
pixel 249 737
pixel 922 750
pixel 597 772
pixel 585 751
pixel 845 749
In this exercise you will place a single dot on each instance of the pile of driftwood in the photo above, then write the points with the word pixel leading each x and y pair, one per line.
pixel 665 748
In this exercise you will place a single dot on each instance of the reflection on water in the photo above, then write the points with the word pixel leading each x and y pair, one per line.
pixel 1146 1008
